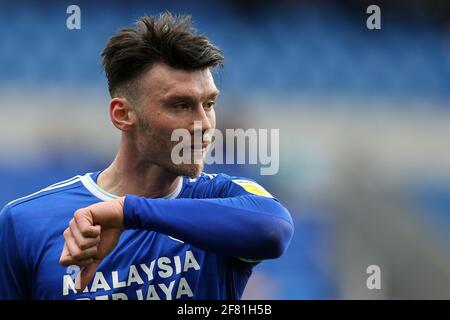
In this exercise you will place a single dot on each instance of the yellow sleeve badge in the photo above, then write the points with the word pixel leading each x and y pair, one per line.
pixel 253 188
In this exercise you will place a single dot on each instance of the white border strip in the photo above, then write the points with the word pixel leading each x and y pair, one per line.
pixel 106 196
pixel 95 189
pixel 61 184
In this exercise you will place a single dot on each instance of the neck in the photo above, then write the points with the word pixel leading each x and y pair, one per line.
pixel 128 174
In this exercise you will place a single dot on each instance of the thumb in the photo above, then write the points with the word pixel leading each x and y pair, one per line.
pixel 87 274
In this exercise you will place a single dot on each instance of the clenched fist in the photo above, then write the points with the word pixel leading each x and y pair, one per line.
pixel 92 234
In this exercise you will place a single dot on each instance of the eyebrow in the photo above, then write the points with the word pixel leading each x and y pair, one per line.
pixel 215 93
pixel 177 96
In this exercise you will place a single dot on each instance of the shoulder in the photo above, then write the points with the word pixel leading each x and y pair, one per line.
pixel 41 199
pixel 215 178
pixel 222 185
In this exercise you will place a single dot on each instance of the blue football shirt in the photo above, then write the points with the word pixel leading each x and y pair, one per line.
pixel 144 265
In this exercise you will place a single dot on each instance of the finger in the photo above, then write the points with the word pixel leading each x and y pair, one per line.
pixel 84 263
pixel 69 261
pixel 75 251
pixel 87 273
pixel 84 221
pixel 82 242
pixel 65 259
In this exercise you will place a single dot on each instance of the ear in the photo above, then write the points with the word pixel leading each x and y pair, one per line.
pixel 122 114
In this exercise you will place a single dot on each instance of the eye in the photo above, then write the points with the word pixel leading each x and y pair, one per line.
pixel 181 106
pixel 209 105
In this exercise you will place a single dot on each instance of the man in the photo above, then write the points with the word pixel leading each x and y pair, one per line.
pixel 145 227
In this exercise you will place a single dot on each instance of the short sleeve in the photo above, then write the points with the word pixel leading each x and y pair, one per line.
pixel 13 285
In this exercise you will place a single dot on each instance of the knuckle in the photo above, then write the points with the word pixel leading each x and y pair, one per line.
pixel 77 257
pixel 77 214
pixel 97 228
pixel 85 244
pixel 66 233
pixel 84 254
pixel 85 232
pixel 76 254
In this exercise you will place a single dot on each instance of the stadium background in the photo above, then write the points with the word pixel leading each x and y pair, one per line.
pixel 363 118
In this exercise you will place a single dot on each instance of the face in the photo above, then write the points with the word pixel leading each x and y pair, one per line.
pixel 173 99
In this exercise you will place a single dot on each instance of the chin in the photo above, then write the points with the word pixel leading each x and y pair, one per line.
pixel 188 170
pixel 193 171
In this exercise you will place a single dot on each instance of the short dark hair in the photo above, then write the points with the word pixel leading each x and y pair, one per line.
pixel 165 38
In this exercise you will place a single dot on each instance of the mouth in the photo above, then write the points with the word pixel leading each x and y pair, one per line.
pixel 199 151
pixel 201 148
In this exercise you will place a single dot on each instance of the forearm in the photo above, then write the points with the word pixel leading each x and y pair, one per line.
pixel 251 227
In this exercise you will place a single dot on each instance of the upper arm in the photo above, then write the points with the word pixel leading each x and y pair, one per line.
pixel 12 272
pixel 236 186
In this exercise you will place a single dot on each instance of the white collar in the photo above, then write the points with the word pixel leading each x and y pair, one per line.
pixel 95 189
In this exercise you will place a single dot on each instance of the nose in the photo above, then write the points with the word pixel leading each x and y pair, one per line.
pixel 203 118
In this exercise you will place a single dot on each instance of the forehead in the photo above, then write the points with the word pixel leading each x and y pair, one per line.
pixel 162 81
